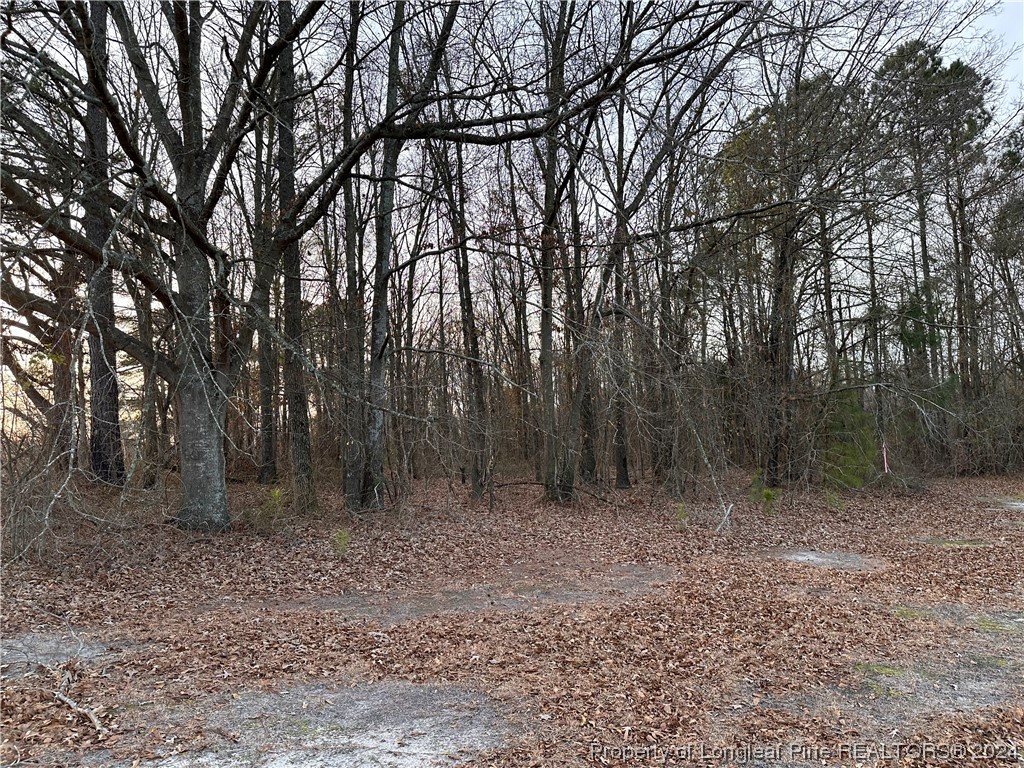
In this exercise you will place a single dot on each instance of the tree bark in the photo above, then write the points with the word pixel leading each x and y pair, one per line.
pixel 559 474
pixel 479 475
pixel 781 338
pixel 105 448
pixel 202 391
pixel 355 324
pixel 300 440
pixel 619 437
pixel 61 415
pixel 380 317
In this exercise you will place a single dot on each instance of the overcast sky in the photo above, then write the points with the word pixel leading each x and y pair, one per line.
pixel 1008 23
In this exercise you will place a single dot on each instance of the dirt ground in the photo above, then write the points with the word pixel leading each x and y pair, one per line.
pixel 861 629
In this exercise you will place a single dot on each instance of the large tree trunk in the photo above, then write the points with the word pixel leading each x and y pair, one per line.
pixel 303 488
pixel 202 401
pixel 380 318
pixel 106 452
pixel 559 474
pixel 201 410
pixel 202 390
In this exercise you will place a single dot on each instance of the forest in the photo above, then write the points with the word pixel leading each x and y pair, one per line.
pixel 355 245
pixel 511 383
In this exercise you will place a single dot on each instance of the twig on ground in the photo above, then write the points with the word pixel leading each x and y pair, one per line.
pixel 596 496
pixel 725 519
pixel 75 706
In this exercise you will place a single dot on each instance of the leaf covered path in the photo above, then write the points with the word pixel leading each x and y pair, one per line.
pixel 602 632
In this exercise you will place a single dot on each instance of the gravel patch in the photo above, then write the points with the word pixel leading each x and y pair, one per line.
pixel 388 724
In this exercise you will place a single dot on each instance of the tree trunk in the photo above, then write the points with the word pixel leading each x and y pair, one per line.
pixel 874 307
pixel 619 437
pixel 303 488
pixel 380 317
pixel 147 462
pixel 106 452
pixel 582 351
pixel 268 422
pixel 355 330
pixel 477 411
pixel 780 354
pixel 201 399
pixel 61 416
pixel 558 474
pixel 927 287
pixel 202 390
pixel 829 324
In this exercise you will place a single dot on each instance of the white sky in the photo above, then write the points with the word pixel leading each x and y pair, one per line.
pixel 1007 22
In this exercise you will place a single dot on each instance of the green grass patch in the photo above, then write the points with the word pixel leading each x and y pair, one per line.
pixel 997 626
pixel 880 670
pixel 906 612
pixel 270 515
pixel 879 690
pixel 993 662
pixel 833 500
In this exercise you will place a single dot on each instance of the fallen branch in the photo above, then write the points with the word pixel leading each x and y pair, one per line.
pixel 725 519
pixel 594 495
pixel 76 707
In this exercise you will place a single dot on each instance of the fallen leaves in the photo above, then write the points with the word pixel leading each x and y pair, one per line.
pixel 719 640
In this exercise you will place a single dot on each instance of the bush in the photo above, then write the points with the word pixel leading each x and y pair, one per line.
pixel 268 516
pixel 340 542
pixel 851 455
pixel 682 515
pixel 764 495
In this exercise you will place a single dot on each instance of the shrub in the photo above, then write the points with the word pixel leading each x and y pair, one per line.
pixel 340 542
pixel 269 515
pixel 682 515
pixel 851 456
pixel 764 495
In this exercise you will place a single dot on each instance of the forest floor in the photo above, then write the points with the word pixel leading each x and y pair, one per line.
pixel 870 628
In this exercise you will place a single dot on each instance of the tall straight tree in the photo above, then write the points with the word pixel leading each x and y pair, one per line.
pixel 380 317
pixel 354 364
pixel 909 81
pixel 556 41
pixel 303 488
pixel 105 450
